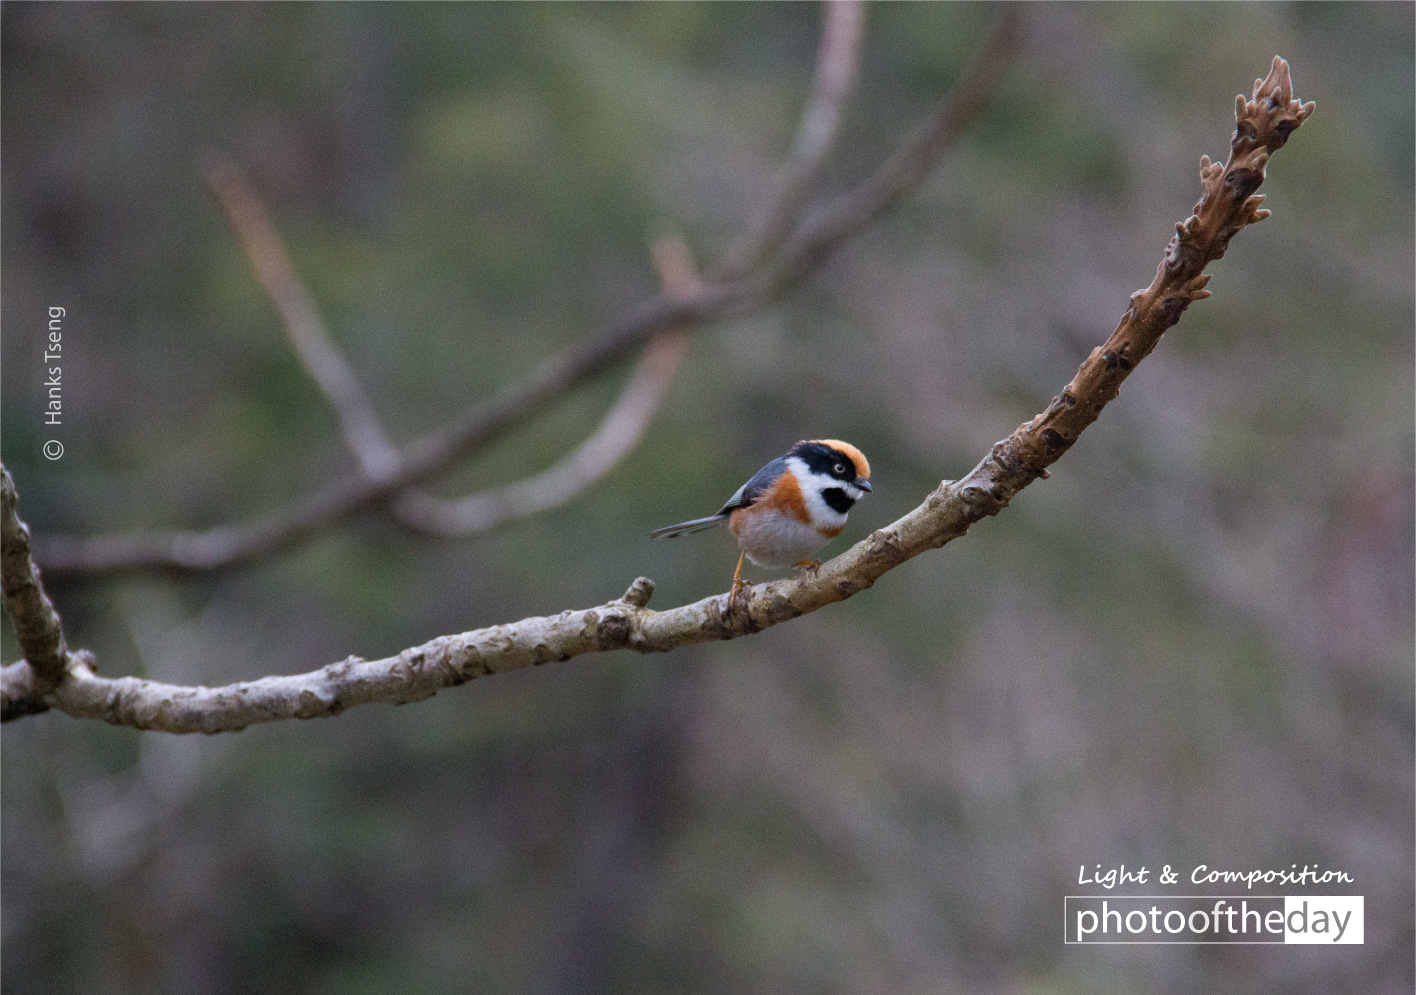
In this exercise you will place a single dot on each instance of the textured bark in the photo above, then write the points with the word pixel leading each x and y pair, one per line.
pixel 1264 123
pixel 37 625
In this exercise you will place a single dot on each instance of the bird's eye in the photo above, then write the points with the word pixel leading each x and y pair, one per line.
pixel 840 468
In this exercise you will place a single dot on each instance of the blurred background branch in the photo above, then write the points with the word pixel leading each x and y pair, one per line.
pixel 823 230
pixel 299 316
pixel 825 226
pixel 620 430
pixel 617 435
pixel 837 64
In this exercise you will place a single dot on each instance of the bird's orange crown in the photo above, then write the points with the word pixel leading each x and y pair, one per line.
pixel 862 465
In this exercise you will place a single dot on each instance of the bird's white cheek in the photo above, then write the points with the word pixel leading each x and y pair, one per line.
pixel 822 514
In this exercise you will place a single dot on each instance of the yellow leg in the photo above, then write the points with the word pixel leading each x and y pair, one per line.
pixel 738 582
pixel 809 564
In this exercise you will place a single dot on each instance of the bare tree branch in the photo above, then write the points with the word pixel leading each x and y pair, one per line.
pixel 240 543
pixel 18 696
pixel 837 62
pixel 827 226
pixel 37 625
pixel 303 326
pixel 618 434
pixel 1227 205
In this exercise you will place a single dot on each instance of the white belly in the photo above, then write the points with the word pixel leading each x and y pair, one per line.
pixel 771 539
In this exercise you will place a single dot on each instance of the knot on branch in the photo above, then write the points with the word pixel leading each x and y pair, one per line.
pixel 1113 360
pixel 1244 177
pixel 884 544
pixel 1188 249
pixel 639 592
pixel 81 660
pixel 339 670
pixel 941 494
pixel 613 629
pixel 983 499
pixel 1005 452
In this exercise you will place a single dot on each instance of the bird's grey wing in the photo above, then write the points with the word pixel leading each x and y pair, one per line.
pixel 746 494
pixel 759 482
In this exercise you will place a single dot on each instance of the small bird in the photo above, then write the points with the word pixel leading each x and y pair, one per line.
pixel 790 508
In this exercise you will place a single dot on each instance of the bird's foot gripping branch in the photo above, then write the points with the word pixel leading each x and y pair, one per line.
pixel 54 677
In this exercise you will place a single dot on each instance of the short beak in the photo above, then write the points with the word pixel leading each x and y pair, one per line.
pixel 864 485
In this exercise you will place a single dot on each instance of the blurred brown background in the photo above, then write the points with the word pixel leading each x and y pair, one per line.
pixel 1192 645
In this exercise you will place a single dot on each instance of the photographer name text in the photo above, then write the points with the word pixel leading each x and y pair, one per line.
pixel 53 385
pixel 53 353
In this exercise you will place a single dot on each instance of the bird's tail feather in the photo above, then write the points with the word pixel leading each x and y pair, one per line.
pixel 684 528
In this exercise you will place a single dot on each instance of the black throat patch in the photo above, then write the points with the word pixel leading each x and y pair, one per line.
pixel 837 499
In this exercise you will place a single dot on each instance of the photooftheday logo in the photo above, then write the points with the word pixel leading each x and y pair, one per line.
pixel 1214 918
